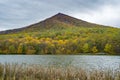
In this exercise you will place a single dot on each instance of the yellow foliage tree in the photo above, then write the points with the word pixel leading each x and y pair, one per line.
pixel 108 48
pixel 94 49
pixel 85 48
pixel 20 48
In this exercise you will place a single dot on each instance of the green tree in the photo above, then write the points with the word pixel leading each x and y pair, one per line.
pixel 85 48
pixel 12 49
pixel 108 48
pixel 94 49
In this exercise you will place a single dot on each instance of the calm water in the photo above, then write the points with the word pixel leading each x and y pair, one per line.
pixel 84 61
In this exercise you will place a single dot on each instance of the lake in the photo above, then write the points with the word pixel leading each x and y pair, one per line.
pixel 84 61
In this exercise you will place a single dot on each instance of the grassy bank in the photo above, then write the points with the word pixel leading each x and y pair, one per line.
pixel 35 72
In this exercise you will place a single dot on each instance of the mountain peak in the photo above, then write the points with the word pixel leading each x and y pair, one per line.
pixel 60 13
pixel 66 19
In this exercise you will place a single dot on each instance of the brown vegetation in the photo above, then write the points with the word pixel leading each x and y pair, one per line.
pixel 36 72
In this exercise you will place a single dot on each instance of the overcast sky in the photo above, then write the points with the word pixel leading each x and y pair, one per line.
pixel 20 13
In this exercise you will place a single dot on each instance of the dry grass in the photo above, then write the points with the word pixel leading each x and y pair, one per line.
pixel 36 72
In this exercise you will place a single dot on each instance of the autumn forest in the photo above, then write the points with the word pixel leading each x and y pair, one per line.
pixel 61 37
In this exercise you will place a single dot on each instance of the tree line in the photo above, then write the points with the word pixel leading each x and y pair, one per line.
pixel 63 41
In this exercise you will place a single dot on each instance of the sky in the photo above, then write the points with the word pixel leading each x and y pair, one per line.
pixel 21 13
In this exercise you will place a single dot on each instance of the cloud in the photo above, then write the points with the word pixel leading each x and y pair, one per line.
pixel 106 15
pixel 20 13
pixel 2 29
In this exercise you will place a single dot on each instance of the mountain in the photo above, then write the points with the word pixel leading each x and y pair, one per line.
pixel 59 20
pixel 61 34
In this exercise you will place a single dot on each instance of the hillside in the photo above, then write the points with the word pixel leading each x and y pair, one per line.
pixel 61 34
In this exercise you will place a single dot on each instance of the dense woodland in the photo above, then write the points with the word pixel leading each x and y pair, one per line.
pixel 63 40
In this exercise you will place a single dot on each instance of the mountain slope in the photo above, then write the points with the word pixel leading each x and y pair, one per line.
pixel 56 21
pixel 61 34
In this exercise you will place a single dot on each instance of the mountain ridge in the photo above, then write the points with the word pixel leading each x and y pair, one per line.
pixel 58 19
